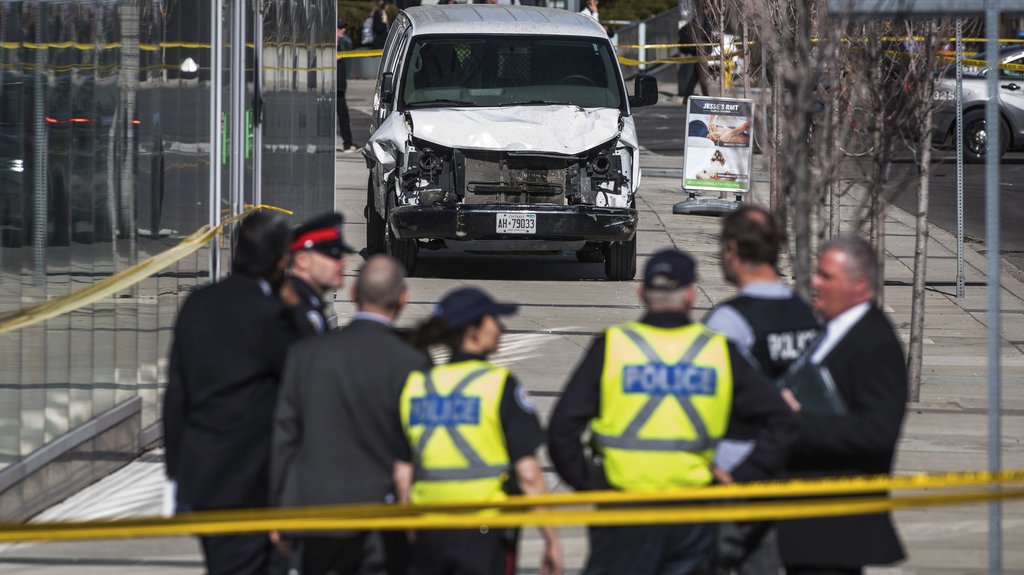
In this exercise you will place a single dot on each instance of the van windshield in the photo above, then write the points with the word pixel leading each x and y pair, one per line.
pixel 493 70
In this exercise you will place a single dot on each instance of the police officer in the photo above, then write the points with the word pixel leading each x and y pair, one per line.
pixel 657 395
pixel 317 265
pixel 766 318
pixel 774 325
pixel 470 427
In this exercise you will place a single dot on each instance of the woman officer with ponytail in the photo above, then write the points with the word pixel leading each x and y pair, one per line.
pixel 470 427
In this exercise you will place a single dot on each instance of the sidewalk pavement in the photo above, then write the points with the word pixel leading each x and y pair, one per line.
pixel 945 431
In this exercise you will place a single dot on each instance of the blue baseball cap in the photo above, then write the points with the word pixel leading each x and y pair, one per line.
pixel 464 306
pixel 669 270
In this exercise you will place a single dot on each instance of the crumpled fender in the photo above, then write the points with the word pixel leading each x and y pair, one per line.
pixel 389 141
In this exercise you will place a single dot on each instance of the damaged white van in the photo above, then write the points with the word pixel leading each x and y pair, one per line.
pixel 503 129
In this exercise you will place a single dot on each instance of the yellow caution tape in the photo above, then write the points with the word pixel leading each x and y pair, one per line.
pixel 767 489
pixel 413 518
pixel 673 60
pixel 149 47
pixel 118 282
pixel 697 45
pixel 359 54
pixel 984 64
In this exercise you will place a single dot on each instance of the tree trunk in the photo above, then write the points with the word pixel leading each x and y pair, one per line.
pixel 920 264
pixel 773 153
pixel 916 352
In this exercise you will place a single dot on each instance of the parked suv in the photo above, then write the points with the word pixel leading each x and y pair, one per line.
pixel 503 129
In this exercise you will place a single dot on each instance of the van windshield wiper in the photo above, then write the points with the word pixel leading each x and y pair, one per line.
pixel 536 103
pixel 439 102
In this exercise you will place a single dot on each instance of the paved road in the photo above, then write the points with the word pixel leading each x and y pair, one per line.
pixel 942 201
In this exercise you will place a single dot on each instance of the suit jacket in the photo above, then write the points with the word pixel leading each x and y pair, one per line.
pixel 337 429
pixel 230 342
pixel 870 373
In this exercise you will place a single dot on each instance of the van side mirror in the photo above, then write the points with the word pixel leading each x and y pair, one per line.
pixel 645 91
pixel 387 87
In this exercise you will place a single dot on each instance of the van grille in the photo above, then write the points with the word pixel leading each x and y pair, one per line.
pixel 515 181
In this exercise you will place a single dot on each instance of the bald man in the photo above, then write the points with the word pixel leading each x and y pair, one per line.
pixel 337 429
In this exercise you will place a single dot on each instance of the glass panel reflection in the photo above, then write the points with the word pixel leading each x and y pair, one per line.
pixel 104 161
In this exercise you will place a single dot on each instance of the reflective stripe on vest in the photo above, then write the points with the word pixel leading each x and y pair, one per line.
pixel 630 439
pixel 665 399
pixel 451 416
pixel 477 469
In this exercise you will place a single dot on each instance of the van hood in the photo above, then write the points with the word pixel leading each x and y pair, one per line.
pixel 555 129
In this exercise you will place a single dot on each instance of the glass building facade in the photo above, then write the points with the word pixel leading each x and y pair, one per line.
pixel 105 160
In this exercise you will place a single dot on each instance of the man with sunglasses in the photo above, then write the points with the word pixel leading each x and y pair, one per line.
pixel 318 253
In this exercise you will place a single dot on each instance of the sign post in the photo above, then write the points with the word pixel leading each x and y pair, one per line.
pixel 718 154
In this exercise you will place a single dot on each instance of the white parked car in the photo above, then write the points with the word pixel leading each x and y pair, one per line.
pixel 975 86
pixel 503 129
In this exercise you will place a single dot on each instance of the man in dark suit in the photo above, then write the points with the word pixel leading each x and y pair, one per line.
pixel 864 356
pixel 229 348
pixel 337 429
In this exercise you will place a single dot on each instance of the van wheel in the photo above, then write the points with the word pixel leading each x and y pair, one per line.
pixel 620 260
pixel 374 223
pixel 405 251
pixel 590 254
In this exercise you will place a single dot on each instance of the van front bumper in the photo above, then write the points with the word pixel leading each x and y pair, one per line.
pixel 479 222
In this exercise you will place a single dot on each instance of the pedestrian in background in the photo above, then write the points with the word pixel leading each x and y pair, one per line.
pixel 230 341
pixel 317 268
pixel 337 431
pixel 657 394
pixel 377 24
pixel 472 433
pixel 773 325
pixel 344 127
pixel 862 353
pixel 590 9
pixel 687 72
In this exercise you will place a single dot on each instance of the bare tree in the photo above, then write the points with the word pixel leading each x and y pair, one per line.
pixel 846 97
pixel 924 67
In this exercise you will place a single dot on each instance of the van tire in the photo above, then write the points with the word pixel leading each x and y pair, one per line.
pixel 405 251
pixel 375 228
pixel 620 260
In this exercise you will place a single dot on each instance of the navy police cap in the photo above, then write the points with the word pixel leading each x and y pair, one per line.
pixel 464 306
pixel 323 234
pixel 668 270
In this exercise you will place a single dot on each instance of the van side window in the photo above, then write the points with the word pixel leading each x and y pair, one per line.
pixel 394 48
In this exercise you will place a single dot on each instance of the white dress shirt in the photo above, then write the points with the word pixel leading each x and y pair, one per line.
pixel 837 328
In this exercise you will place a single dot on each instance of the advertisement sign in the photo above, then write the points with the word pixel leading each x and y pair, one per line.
pixel 718 153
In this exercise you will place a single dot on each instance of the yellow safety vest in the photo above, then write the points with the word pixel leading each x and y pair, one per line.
pixel 451 417
pixel 665 401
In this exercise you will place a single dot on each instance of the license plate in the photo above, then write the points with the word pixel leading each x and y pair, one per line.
pixel 516 223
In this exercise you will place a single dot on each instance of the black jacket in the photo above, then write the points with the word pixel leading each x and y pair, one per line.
pixel 229 348
pixel 380 29
pixel 310 315
pixel 755 399
pixel 870 373
pixel 337 430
